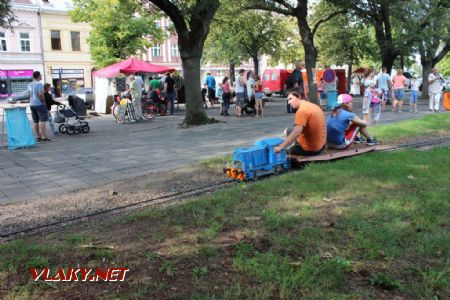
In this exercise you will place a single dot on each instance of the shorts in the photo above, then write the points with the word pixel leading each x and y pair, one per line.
pixel 297 149
pixel 240 99
pixel 399 94
pixel 211 94
pixel 414 96
pixel 39 113
pixel 323 95
pixel 386 94
pixel 259 96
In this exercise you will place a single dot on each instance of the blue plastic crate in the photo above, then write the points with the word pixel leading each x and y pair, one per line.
pixel 251 157
pixel 273 158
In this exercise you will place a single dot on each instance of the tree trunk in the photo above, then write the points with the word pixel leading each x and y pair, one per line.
pixel 349 76
pixel 195 112
pixel 232 72
pixel 402 62
pixel 388 60
pixel 256 64
pixel 310 51
pixel 427 65
pixel 310 63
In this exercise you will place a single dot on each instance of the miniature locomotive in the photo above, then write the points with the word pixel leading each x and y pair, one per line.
pixel 257 161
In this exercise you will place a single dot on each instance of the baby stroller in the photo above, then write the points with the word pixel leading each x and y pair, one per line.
pixel 249 104
pixel 72 116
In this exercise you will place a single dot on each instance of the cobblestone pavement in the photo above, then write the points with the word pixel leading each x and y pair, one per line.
pixel 113 151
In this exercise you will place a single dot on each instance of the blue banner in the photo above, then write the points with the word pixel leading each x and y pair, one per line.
pixel 18 128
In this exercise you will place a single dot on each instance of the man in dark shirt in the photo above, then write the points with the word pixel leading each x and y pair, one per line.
pixel 169 89
pixel 298 78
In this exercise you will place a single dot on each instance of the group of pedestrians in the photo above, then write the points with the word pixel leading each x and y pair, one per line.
pixel 41 102
pixel 161 91
pixel 248 89
pixel 381 88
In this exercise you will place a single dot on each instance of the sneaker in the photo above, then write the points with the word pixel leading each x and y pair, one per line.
pixel 372 141
pixel 359 140
pixel 411 110
pixel 417 110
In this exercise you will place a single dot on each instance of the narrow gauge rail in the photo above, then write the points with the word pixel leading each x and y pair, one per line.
pixel 172 198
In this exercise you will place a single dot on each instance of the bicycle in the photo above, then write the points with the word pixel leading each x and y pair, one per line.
pixel 123 109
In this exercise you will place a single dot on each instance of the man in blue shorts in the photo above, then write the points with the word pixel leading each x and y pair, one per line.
pixel 39 111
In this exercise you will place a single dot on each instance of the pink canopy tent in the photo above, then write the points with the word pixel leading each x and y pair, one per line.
pixel 131 66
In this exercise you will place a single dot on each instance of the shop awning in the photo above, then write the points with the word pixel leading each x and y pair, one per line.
pixel 131 66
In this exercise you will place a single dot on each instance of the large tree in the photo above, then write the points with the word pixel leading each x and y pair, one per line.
pixel 120 28
pixel 7 16
pixel 384 17
pixel 428 23
pixel 345 40
pixel 300 11
pixel 191 20
pixel 244 35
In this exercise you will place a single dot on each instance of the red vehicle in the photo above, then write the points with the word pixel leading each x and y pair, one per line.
pixel 273 81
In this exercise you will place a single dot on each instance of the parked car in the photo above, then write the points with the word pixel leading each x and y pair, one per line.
pixel 23 97
pixel 87 94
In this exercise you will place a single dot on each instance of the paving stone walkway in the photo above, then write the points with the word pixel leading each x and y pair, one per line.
pixel 113 151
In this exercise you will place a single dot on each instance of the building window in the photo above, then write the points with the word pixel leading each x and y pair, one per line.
pixel 25 42
pixel 156 50
pixel 3 42
pixel 174 50
pixel 56 39
pixel 75 36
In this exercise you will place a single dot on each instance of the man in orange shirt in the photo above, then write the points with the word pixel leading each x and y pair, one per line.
pixel 310 129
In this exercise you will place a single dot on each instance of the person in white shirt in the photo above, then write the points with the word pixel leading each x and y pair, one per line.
pixel 414 94
pixel 383 82
pixel 436 82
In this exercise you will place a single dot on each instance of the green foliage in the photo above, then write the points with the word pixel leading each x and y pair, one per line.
pixel 444 66
pixel 345 40
pixel 120 28
pixel 290 49
pixel 197 272
pixel 237 36
pixel 384 281
pixel 21 254
pixel 6 14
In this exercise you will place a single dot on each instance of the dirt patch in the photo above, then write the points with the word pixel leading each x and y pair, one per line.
pixel 16 216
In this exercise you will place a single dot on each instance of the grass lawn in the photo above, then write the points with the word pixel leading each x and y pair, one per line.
pixel 371 227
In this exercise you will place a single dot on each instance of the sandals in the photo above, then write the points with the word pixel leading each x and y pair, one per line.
pixel 43 140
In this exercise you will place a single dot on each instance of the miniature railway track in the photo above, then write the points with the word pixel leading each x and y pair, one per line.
pixel 167 199
pixel 119 210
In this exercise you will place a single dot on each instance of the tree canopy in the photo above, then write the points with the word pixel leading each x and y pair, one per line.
pixel 6 14
pixel 237 36
pixel 120 28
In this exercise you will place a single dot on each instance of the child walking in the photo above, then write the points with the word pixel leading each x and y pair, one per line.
pixel 376 98
pixel 259 97
pixel 414 96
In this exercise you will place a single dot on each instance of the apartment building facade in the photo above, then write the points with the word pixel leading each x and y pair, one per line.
pixel 44 39
pixel 20 49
